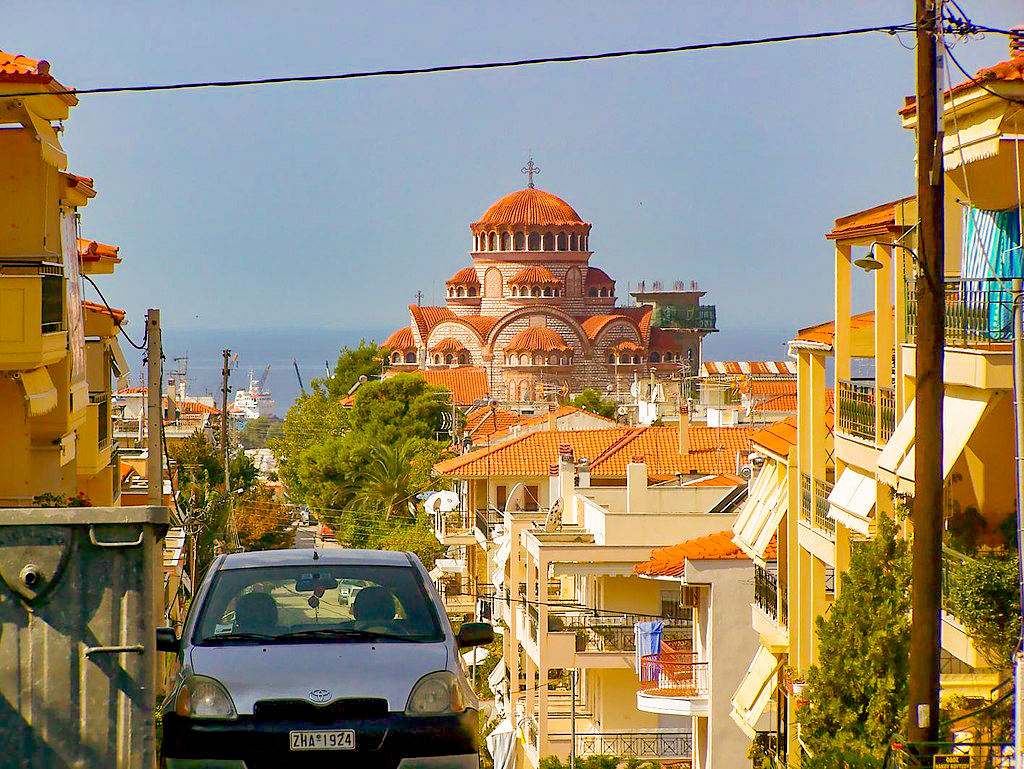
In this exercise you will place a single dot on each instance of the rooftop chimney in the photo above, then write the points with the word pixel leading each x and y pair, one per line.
pixel 636 485
pixel 552 417
pixel 684 431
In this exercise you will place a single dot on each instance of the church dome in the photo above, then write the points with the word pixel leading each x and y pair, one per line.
pixel 537 340
pixel 530 207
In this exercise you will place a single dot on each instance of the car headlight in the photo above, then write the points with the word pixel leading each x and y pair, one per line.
pixel 202 697
pixel 436 694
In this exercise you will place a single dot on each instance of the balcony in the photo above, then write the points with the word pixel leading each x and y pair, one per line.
pixel 32 332
pixel 453 562
pixel 674 682
pixel 454 528
pixel 487 519
pixel 858 415
pixel 814 504
pixel 665 745
pixel 689 317
pixel 600 631
pixel 979 313
pixel 457 594
pixel 94 436
pixel 768 598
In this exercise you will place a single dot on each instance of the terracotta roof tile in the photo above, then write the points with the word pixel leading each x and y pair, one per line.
pixel 93 251
pixel 1012 69
pixel 780 437
pixel 879 220
pixel 752 368
pixel 113 312
pixel 484 422
pixel 465 277
pixel 757 387
pixel 401 340
pixel 15 68
pixel 712 451
pixel 195 407
pixel 534 339
pixel 529 206
pixel 825 333
pixel 467 384
pixel 671 561
pixel 426 318
pixel 84 184
pixel 595 324
pixel 722 479
pixel 597 277
pixel 786 402
pixel 482 323
pixel 448 344
pixel 563 411
pixel 534 276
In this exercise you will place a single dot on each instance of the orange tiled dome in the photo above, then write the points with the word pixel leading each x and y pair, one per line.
pixel 401 340
pixel 535 276
pixel 537 340
pixel 448 344
pixel 465 277
pixel 530 207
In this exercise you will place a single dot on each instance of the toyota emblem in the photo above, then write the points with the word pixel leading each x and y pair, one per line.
pixel 319 695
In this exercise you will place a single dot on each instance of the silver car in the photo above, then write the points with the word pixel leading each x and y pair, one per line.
pixel 273 675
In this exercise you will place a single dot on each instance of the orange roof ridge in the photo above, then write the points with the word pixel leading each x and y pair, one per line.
pixel 617 446
pixel 671 561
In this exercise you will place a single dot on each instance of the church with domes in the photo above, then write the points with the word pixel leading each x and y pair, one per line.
pixel 539 319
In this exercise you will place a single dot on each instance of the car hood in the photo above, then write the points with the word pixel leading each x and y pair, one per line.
pixel 292 671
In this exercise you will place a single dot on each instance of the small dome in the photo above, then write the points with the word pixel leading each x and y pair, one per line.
pixel 597 277
pixel 401 340
pixel 626 345
pixel 530 207
pixel 537 340
pixel 448 344
pixel 535 276
pixel 465 277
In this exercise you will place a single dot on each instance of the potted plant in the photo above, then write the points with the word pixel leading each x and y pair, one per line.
pixel 581 640
pixel 793 680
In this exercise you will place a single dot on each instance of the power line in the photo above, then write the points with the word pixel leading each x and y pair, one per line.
pixel 890 29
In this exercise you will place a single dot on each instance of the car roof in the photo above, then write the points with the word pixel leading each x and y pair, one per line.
pixel 303 557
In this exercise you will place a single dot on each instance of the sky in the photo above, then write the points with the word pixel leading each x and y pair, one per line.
pixel 329 205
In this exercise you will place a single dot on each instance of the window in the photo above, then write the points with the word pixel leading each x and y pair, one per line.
pixel 549 242
pixel 592 292
pixel 501 496
pixel 536 291
pixel 604 292
pixel 561 241
pixel 520 241
pixel 535 241
pixel 472 291
pixel 461 291
pixel 506 242
pixel 547 291
pixel 396 357
pixel 448 359
pixel 492 241
pixel 462 359
pixel 611 359
pixel 574 242
pixel 655 358
pixel 437 360
pixel 410 357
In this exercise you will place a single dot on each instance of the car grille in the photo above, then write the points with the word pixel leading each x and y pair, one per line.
pixel 339 710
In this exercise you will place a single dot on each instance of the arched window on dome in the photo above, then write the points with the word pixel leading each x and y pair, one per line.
pixel 437 360
pixel 562 244
pixel 549 241
pixel 520 241
pixel 535 291
pixel 461 292
pixel 538 360
pixel 591 291
pixel 655 358
pixel 584 240
pixel 448 359
pixel 506 242
pixel 472 291
pixel 574 242
pixel 524 360
pixel 462 359
pixel 476 242
pixel 534 241
pixel 396 357
pixel 636 359
pixel 611 359
pixel 410 357
pixel 547 291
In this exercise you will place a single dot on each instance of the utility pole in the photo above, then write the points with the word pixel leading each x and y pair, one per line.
pixel 572 744
pixel 154 411
pixel 923 690
pixel 1018 412
pixel 231 535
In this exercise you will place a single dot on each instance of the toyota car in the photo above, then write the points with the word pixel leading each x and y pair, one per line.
pixel 273 674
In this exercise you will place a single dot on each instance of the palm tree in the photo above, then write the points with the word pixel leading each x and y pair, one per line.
pixel 389 481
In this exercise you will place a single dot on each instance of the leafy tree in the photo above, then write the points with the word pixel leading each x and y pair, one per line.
pixel 388 480
pixel 857 695
pixel 244 475
pixel 398 408
pixel 365 360
pixel 257 432
pixel 312 431
pixel 984 595
pixel 198 460
pixel 591 400
pixel 263 524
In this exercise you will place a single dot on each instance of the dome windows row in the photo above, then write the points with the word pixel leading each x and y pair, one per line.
pixel 463 292
pixel 532 241
pixel 593 291
pixel 396 357
pixel 538 359
pixel 627 359
pixel 536 291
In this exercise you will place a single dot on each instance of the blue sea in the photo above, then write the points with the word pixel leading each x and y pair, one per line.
pixel 316 349
pixel 313 350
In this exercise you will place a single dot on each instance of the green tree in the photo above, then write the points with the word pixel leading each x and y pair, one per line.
pixel 984 596
pixel 244 475
pixel 198 461
pixel 257 432
pixel 365 360
pixel 591 400
pixel 388 481
pixel 857 695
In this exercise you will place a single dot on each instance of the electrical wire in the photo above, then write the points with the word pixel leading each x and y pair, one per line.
pixel 975 81
pixel 112 315
pixel 890 29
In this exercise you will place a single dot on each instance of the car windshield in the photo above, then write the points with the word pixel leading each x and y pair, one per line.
pixel 315 604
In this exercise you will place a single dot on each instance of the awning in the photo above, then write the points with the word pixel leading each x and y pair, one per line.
pixel 118 362
pixel 961 414
pixel 852 499
pixel 501 558
pixel 972 143
pixel 764 509
pixel 40 394
pixel 45 133
pixel 755 690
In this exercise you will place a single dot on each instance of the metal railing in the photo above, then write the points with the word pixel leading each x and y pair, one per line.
pixel 452 522
pixel 102 401
pixel 821 520
pixel 612 632
pixel 487 519
pixel 767 596
pixel 652 744
pixel 52 299
pixel 886 414
pixel 979 313
pixel 674 674
pixel 806 497
pixel 856 409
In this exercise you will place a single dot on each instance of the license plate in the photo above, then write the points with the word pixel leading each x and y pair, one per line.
pixel 337 739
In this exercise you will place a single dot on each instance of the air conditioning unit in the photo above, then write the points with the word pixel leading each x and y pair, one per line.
pixel 689 597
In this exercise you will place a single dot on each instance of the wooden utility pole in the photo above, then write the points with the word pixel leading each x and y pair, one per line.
pixel 923 717
pixel 154 411
pixel 226 372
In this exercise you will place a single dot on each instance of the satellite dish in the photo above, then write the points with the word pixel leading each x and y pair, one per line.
pixel 634 389
pixel 622 410
pixel 441 502
pixel 746 472
pixel 554 520
pixel 516 498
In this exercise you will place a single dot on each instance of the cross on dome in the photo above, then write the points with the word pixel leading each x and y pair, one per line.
pixel 530 169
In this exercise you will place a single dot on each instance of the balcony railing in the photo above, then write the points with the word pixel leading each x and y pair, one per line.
pixel 856 409
pixel 821 520
pixel 979 313
pixel 767 596
pixel 670 744
pixel 886 414
pixel 52 299
pixel 453 522
pixel 806 497
pixel 487 519
pixel 102 401
pixel 610 632
pixel 674 674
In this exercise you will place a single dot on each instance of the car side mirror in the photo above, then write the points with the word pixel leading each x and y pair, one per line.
pixel 474 634
pixel 167 640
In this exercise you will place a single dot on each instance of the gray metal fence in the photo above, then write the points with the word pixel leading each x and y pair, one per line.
pixel 79 599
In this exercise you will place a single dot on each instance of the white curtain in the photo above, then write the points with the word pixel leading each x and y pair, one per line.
pixel 76 327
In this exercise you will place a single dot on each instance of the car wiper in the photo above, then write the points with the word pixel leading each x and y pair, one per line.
pixel 342 633
pixel 222 637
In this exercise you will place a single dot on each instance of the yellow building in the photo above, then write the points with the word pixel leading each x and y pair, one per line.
pixel 57 354
pixel 836 481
